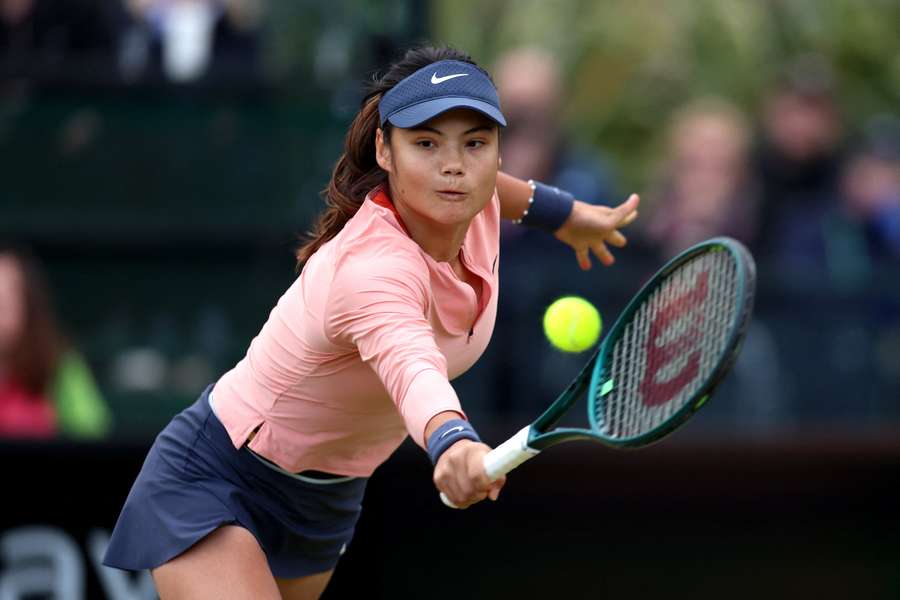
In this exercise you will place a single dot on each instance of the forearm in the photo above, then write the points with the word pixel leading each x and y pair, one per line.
pixel 438 420
pixel 533 204
pixel 584 227
pixel 514 194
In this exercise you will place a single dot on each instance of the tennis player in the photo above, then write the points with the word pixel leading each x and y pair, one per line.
pixel 254 490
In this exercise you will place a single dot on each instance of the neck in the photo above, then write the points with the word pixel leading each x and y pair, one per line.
pixel 441 242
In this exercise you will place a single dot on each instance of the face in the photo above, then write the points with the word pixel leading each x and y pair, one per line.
pixel 12 305
pixel 709 157
pixel 803 129
pixel 444 171
pixel 871 185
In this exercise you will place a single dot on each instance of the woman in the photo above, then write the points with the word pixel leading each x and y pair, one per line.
pixel 46 388
pixel 705 186
pixel 255 489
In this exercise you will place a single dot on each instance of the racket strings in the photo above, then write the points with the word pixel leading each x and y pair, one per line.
pixel 627 412
pixel 670 347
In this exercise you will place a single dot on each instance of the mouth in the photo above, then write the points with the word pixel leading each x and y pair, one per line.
pixel 452 195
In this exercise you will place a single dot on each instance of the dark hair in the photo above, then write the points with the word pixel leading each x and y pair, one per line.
pixel 35 354
pixel 356 172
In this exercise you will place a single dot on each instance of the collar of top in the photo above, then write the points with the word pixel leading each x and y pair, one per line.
pixel 437 88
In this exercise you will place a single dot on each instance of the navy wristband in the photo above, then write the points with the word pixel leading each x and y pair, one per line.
pixel 548 208
pixel 448 434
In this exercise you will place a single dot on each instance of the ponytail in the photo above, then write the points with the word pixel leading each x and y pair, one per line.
pixel 355 175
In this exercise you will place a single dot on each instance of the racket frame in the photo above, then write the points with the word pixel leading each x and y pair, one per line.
pixel 745 292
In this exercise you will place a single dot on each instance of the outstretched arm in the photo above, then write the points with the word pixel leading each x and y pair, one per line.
pixel 459 472
pixel 378 308
pixel 588 229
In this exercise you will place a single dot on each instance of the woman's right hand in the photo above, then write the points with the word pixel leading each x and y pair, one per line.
pixel 460 474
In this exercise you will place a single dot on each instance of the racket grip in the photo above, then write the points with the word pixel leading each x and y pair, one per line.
pixel 504 458
pixel 508 455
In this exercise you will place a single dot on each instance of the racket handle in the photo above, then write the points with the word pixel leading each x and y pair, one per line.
pixel 508 455
pixel 504 458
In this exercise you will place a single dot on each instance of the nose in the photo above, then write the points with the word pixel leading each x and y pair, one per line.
pixel 452 164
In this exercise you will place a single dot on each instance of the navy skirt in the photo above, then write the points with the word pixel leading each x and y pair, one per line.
pixel 194 480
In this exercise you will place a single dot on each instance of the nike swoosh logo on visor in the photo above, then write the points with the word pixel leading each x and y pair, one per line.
pixel 436 80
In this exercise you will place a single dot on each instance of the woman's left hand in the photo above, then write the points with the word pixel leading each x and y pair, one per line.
pixel 590 228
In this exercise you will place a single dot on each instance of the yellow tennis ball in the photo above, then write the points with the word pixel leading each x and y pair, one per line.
pixel 572 324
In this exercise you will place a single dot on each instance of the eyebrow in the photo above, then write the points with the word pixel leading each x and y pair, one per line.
pixel 475 129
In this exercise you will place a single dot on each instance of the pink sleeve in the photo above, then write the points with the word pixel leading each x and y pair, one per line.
pixel 379 306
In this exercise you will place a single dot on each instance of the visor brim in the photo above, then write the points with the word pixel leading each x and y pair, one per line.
pixel 417 114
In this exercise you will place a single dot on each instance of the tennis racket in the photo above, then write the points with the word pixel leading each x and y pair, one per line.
pixel 660 362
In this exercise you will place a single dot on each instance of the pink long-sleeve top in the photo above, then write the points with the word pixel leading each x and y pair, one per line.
pixel 359 351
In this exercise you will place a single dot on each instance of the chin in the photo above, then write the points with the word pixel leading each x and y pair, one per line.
pixel 455 215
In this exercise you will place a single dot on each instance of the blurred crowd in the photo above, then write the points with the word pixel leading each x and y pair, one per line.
pixel 789 188
pixel 130 40
pixel 818 205
pixel 817 202
pixel 789 180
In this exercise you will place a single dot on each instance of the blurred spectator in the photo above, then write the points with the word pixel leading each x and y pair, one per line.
pixel 871 189
pixel 705 188
pixel 863 231
pixel 535 145
pixel 185 40
pixel 46 388
pixel 798 163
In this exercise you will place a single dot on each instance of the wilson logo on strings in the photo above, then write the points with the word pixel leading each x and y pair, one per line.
pixel 662 353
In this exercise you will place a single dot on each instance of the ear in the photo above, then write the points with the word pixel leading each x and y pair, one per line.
pixel 382 151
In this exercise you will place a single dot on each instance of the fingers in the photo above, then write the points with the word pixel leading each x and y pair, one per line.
pixel 600 251
pixel 462 493
pixel 584 259
pixel 616 239
pixel 464 500
pixel 597 227
pixel 603 254
pixel 460 474
pixel 624 211
pixel 494 489
pixel 628 220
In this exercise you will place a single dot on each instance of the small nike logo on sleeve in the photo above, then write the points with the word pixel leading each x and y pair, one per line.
pixel 451 430
pixel 436 80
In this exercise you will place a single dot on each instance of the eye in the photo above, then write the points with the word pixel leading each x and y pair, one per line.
pixel 425 143
pixel 475 143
